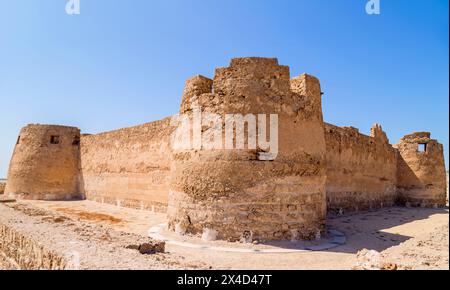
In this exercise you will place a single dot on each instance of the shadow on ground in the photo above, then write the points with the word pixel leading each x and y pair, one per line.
pixel 366 230
pixel 375 230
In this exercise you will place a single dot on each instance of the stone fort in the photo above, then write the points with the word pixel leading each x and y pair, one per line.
pixel 320 167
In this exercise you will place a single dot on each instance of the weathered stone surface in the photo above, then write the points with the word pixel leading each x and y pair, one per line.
pixel 231 191
pixel 128 167
pixel 45 164
pixel 361 170
pixel 421 174
pixel 148 248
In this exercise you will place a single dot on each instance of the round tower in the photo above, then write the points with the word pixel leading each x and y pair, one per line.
pixel 45 164
pixel 421 173
pixel 255 168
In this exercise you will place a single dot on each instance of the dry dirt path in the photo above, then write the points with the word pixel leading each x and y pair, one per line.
pixel 414 238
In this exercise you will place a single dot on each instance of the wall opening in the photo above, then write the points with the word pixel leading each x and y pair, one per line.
pixel 54 139
pixel 76 141
pixel 422 147
pixel 18 140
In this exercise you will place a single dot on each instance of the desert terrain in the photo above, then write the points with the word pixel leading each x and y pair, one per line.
pixel 91 235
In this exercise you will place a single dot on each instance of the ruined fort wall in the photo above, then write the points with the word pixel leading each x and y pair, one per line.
pixel 128 167
pixel 361 170
pixel 234 193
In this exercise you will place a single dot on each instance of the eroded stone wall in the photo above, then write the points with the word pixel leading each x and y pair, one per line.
pixel 128 167
pixel 45 164
pixel 245 193
pixel 233 193
pixel 421 171
pixel 361 170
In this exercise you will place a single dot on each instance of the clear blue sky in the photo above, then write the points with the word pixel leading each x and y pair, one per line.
pixel 122 63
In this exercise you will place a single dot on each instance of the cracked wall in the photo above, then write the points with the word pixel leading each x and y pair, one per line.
pixel 361 170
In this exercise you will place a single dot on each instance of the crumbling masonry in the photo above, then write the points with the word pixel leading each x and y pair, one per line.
pixel 232 193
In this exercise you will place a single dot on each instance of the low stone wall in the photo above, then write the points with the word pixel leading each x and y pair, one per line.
pixel 23 252
pixel 361 170
pixel 20 249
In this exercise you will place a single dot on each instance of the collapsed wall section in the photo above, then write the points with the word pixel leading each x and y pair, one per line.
pixel 128 167
pixel 421 171
pixel 361 170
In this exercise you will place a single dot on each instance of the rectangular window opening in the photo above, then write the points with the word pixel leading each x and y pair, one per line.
pixel 54 139
pixel 422 147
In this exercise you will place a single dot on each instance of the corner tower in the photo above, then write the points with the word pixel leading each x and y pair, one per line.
pixel 247 193
pixel 45 164
pixel 421 173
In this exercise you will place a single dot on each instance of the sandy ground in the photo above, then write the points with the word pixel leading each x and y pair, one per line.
pixel 87 243
pixel 410 238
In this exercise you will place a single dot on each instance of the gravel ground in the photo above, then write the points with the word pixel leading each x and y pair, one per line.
pixel 95 246
pixel 428 251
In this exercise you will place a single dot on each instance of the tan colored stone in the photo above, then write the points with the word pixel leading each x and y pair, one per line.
pixel 46 164
pixel 361 170
pixel 232 194
pixel 421 175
